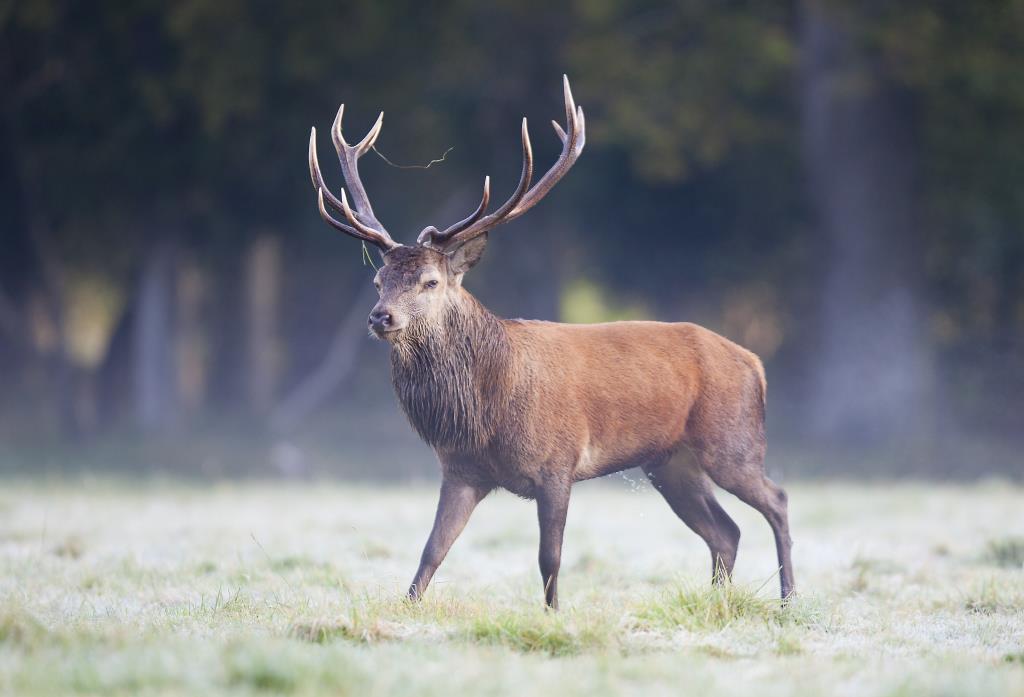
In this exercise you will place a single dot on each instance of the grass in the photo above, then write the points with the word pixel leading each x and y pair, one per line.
pixel 994 597
pixel 1007 552
pixel 699 607
pixel 108 587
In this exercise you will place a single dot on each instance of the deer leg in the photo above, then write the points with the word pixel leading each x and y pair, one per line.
pixel 749 483
pixel 457 502
pixel 688 491
pixel 552 508
pixel 770 500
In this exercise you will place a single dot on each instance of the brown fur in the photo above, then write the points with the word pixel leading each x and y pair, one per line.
pixel 533 407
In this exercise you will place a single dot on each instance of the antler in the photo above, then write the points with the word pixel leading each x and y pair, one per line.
pixel 524 198
pixel 362 223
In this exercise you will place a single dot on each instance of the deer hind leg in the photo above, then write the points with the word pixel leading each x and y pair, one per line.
pixel 744 476
pixel 689 493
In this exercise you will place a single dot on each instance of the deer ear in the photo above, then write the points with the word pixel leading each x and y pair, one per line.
pixel 465 257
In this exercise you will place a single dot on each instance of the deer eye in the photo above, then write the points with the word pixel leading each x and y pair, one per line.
pixel 430 284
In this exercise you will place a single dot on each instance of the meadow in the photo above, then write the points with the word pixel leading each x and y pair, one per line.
pixel 165 587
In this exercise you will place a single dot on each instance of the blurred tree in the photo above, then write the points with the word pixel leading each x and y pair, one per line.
pixel 872 369
pixel 148 150
pixel 964 64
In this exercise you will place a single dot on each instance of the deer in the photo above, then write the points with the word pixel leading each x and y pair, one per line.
pixel 533 407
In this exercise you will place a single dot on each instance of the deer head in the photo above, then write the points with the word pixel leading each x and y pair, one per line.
pixel 417 282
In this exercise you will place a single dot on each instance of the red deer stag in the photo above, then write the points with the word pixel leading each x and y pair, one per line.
pixel 534 407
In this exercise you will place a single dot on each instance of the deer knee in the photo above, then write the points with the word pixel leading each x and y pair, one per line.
pixel 776 510
pixel 779 501
pixel 781 497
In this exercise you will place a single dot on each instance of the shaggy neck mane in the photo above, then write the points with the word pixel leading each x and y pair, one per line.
pixel 449 376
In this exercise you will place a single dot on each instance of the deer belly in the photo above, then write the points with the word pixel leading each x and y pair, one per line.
pixel 595 461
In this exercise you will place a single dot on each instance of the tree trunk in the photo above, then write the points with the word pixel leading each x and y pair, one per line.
pixel 155 385
pixel 870 373
pixel 262 303
pixel 191 365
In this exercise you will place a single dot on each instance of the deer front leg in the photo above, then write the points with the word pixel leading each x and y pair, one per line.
pixel 552 508
pixel 457 502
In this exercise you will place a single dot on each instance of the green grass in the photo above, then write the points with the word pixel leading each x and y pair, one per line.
pixel 532 629
pixel 992 596
pixel 1006 552
pixel 108 587
pixel 700 607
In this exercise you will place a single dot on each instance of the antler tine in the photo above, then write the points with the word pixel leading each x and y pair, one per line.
pixel 337 224
pixel 375 233
pixel 348 156
pixel 573 141
pixel 570 105
pixel 364 229
pixel 366 143
pixel 433 235
pixel 316 175
pixel 573 138
pixel 582 123
pixel 482 225
pixel 558 131
pixel 525 177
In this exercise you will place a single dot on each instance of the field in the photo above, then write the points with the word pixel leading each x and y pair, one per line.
pixel 162 587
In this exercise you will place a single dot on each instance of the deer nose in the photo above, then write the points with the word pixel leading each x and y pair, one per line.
pixel 380 319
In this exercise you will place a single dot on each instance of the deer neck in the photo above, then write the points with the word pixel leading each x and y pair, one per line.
pixel 452 378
